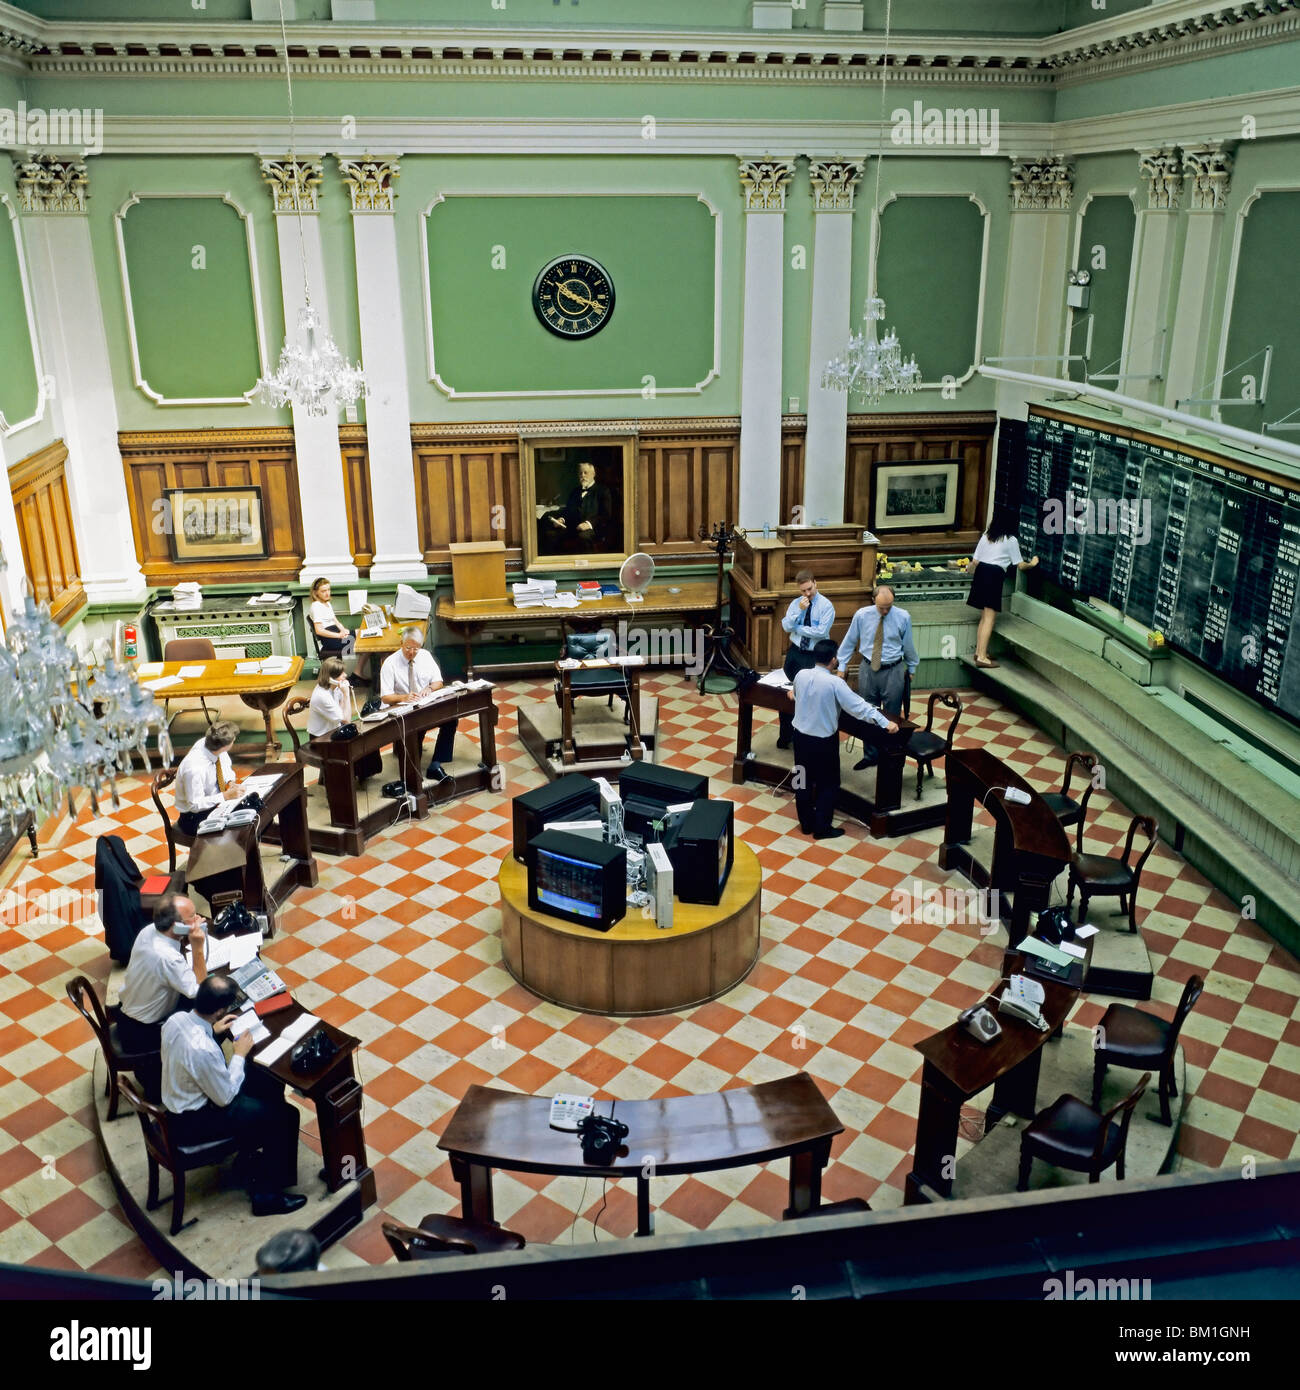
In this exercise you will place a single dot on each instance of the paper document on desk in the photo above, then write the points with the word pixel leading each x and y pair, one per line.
pixel 776 678
pixel 189 673
pixel 162 683
pixel 276 665
pixel 267 598
pixel 1083 933
pixel 263 786
pixel 248 668
pixel 232 951
pixel 250 1023
pixel 1071 949
pixel 1031 946
pixel 356 600
pixel 148 670
pixel 299 1028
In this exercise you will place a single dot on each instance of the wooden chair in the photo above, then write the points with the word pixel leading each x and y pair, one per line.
pixel 925 745
pixel 1064 807
pixel 448 1235
pixel 1073 1135
pixel 116 1058
pixel 302 749
pixel 164 1152
pixel 606 681
pixel 1111 875
pixel 1130 1037
pixel 188 649
pixel 171 829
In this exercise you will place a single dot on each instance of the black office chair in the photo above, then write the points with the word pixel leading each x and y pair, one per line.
pixel 1129 1037
pixel 607 681
pixel 1071 1134
pixel 447 1235
pixel 1111 875
pixel 1063 806
pixel 925 745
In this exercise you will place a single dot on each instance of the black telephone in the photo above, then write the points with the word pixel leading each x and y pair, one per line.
pixel 312 1053
pixel 234 917
pixel 372 706
pixel 345 731
pixel 601 1137
pixel 252 802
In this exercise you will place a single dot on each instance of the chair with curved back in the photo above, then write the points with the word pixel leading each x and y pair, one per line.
pixel 1071 1134
pixel 164 1152
pixel 302 750
pixel 171 829
pixel 188 649
pixel 116 1058
pixel 1129 1037
pixel 925 746
pixel 448 1235
pixel 1063 806
pixel 1111 875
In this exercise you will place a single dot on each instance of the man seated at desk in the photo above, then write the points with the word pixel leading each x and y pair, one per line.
pixel 206 776
pixel 408 674
pixel 208 1098
pixel 159 980
pixel 819 696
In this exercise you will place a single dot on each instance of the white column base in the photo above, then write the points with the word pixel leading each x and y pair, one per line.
pixel 337 569
pixel 115 589
pixel 399 567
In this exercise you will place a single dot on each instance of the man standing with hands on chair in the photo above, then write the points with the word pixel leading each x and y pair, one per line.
pixel 819 696
pixel 883 634
pixel 807 620
pixel 411 672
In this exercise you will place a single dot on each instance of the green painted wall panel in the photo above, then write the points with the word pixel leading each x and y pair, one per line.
pixel 1264 310
pixel 19 386
pixel 1106 250
pixel 659 254
pixel 190 287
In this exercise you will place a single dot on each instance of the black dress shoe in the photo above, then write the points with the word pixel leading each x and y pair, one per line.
pixel 829 834
pixel 783 743
pixel 867 760
pixel 436 773
pixel 277 1203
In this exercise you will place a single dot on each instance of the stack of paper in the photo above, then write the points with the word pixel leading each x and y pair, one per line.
pixel 301 1025
pixel 187 595
pixel 564 600
pixel 266 598
pixel 533 593
pixel 275 665
pixel 189 673
pixel 778 678
pixel 161 683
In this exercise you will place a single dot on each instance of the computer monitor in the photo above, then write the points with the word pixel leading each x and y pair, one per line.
pixel 577 879
pixel 702 849
pixel 647 790
pixel 574 797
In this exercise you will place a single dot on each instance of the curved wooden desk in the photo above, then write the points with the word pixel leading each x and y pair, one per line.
pixel 634 968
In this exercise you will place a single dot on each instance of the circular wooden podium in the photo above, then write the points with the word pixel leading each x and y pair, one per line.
pixel 635 967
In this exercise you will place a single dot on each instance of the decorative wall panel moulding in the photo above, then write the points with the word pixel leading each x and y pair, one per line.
pixel 1209 173
pixel 43 382
pixel 1163 171
pixel 764 182
pixel 50 185
pixel 294 184
pixel 1045 184
pixel 369 182
pixel 833 182
pixel 428 432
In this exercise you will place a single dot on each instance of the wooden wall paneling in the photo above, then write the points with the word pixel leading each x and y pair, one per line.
pixel 793 438
pixel 354 450
pixel 39 488
pixel 158 461
pixel 686 479
pixel 466 489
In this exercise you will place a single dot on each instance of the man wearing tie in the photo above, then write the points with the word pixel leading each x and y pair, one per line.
pixel 807 621
pixel 206 777
pixel 588 513
pixel 883 634
pixel 407 675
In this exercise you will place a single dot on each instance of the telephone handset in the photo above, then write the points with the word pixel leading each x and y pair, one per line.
pixel 1022 999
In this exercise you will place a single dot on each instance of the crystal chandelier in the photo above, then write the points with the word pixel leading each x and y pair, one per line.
pixel 64 724
pixel 867 367
pixel 312 373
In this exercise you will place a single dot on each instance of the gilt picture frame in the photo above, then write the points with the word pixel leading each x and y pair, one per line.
pixel 579 498
pixel 924 495
pixel 214 523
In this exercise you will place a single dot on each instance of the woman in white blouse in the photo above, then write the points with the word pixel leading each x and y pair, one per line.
pixel 331 701
pixel 997 550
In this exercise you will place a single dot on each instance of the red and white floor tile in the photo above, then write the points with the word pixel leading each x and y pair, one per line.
pixel 400 947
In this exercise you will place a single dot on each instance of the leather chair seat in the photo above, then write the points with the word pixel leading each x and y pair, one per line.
pixel 923 745
pixel 1133 1035
pixel 210 1151
pixel 487 1240
pixel 1066 1133
pixel 1099 871
pixel 1061 806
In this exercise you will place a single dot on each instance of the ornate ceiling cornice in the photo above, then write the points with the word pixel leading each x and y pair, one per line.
pixel 1177 31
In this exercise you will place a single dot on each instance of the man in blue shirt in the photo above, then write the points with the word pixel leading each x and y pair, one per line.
pixel 883 634
pixel 819 696
pixel 807 621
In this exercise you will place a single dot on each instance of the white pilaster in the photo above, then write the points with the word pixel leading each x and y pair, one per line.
pixel 70 321
pixel 11 582
pixel 828 410
pixel 1207 172
pixel 1146 344
pixel 316 437
pixel 764 183
pixel 383 354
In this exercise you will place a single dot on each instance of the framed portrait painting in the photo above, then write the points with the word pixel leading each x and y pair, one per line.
pixel 579 501
pixel 215 523
pixel 919 496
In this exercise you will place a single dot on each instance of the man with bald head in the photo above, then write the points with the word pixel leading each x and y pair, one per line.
pixel 882 632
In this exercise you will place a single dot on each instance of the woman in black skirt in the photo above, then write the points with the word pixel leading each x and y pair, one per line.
pixel 997 550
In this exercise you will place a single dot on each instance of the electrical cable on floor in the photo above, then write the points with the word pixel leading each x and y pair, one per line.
pixel 573 1225
pixel 604 1187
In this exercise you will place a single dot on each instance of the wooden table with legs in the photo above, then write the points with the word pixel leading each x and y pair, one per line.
pixel 788 1118
pixel 264 693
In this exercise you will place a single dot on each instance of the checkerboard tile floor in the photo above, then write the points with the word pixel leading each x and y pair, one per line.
pixel 399 946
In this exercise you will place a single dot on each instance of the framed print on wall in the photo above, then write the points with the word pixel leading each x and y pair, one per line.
pixel 215 523
pixel 579 501
pixel 919 496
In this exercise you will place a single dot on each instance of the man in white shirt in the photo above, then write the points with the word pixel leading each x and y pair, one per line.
pixel 807 620
pixel 208 1098
pixel 408 674
pixel 206 777
pixel 819 696
pixel 158 976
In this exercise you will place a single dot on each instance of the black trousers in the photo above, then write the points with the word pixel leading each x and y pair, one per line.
pixel 818 759
pixel 189 821
pixel 138 1037
pixel 442 745
pixel 796 660
pixel 261 1119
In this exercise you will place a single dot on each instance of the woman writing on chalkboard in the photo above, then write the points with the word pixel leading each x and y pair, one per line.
pixel 997 550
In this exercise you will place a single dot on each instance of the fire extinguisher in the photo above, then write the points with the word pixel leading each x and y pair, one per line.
pixel 130 650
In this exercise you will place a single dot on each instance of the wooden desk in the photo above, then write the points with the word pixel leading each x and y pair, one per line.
pixel 349 829
pixel 696 600
pixel 892 750
pixel 390 640
pixel 634 967
pixel 618 678
pixel 684 1134
pixel 231 860
pixel 1030 847
pixel 262 693
pixel 958 1067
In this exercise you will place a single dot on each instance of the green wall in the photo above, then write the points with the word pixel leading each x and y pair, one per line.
pixel 1106 251
pixel 19 385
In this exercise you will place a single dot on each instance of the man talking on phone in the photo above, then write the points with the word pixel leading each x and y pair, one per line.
pixel 158 975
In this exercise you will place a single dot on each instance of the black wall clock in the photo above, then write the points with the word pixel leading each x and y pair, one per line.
pixel 573 296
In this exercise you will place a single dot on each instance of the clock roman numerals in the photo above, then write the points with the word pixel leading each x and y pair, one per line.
pixel 573 297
